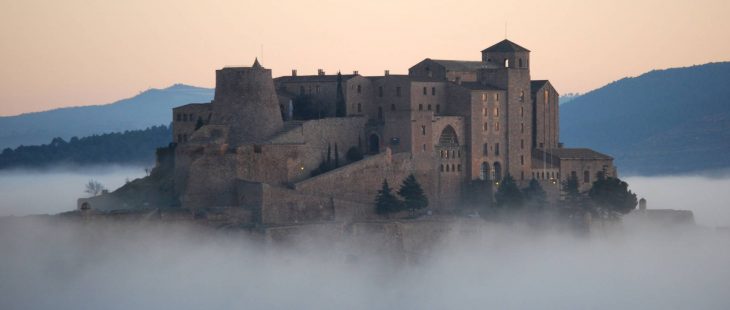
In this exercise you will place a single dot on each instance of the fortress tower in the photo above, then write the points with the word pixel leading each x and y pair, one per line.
pixel 245 100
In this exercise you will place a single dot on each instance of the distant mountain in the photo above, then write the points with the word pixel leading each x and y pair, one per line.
pixel 662 122
pixel 129 147
pixel 150 108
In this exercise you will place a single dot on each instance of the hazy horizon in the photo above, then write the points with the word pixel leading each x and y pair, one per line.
pixel 74 53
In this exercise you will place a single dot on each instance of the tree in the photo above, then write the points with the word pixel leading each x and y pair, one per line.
pixel 535 196
pixel 612 195
pixel 573 197
pixel 385 201
pixel 412 194
pixel 508 194
pixel 94 188
pixel 340 106
pixel 337 157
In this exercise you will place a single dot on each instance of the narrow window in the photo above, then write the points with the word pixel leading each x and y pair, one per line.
pixel 424 147
pixel 425 91
pixel 522 143
pixel 519 62
pixel 484 97
pixel 496 126
pixel 522 96
pixel 359 107
pixel 438 108
pixel 458 167
pixel 506 63
pixel 522 127
pixel 420 107
pixel 486 126
pixel 522 112
pixel 496 149
pixel 185 117
pixel 359 89
pixel 484 111
pixel 522 175
pixel 496 111
pixel 442 167
pixel 423 130
pixel 447 167
pixel 522 160
pixel 433 91
pixel 486 149
pixel 496 97
pixel 429 107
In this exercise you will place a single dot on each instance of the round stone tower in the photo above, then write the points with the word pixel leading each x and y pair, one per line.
pixel 246 101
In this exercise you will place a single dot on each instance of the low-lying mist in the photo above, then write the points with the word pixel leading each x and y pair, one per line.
pixel 62 265
pixel 50 191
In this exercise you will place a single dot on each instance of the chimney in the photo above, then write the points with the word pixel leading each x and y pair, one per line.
pixel 355 72
pixel 320 72
pixel 294 72
pixel 387 72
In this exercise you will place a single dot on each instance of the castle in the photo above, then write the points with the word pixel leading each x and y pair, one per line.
pixel 259 144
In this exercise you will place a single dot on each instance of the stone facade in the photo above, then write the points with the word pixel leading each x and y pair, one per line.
pixel 447 122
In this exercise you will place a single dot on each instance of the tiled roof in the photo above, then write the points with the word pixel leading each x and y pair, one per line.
pixel 312 78
pixel 505 46
pixel 577 153
pixel 536 85
pixel 463 65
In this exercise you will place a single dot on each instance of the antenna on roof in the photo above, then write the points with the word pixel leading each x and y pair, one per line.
pixel 505 30
pixel 262 52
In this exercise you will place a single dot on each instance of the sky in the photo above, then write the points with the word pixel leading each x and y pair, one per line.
pixel 82 52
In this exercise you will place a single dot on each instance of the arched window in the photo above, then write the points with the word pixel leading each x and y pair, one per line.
pixel 484 172
pixel 506 63
pixel 498 171
pixel 448 137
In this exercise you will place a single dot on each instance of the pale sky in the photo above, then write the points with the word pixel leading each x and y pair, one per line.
pixel 73 52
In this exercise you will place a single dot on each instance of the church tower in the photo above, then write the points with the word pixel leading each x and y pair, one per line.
pixel 507 54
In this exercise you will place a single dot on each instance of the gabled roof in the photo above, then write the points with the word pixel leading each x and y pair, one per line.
pixel 462 65
pixel 332 78
pixel 478 86
pixel 577 153
pixel 536 85
pixel 505 46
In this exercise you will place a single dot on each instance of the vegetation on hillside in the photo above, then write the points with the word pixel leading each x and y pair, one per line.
pixel 129 147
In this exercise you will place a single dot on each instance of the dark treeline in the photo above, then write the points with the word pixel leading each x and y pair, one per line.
pixel 129 147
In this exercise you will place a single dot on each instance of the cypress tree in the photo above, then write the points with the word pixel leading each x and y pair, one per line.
pixel 413 195
pixel 337 157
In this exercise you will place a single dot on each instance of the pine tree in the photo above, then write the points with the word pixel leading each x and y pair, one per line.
pixel 535 195
pixel 340 106
pixel 613 195
pixel 413 195
pixel 385 201
pixel 508 194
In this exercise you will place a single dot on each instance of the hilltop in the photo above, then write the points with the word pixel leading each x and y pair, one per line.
pixel 150 108
pixel 662 122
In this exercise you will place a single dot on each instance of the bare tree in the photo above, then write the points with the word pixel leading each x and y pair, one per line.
pixel 94 188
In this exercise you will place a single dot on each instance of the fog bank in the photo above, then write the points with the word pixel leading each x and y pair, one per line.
pixel 24 192
pixel 72 266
